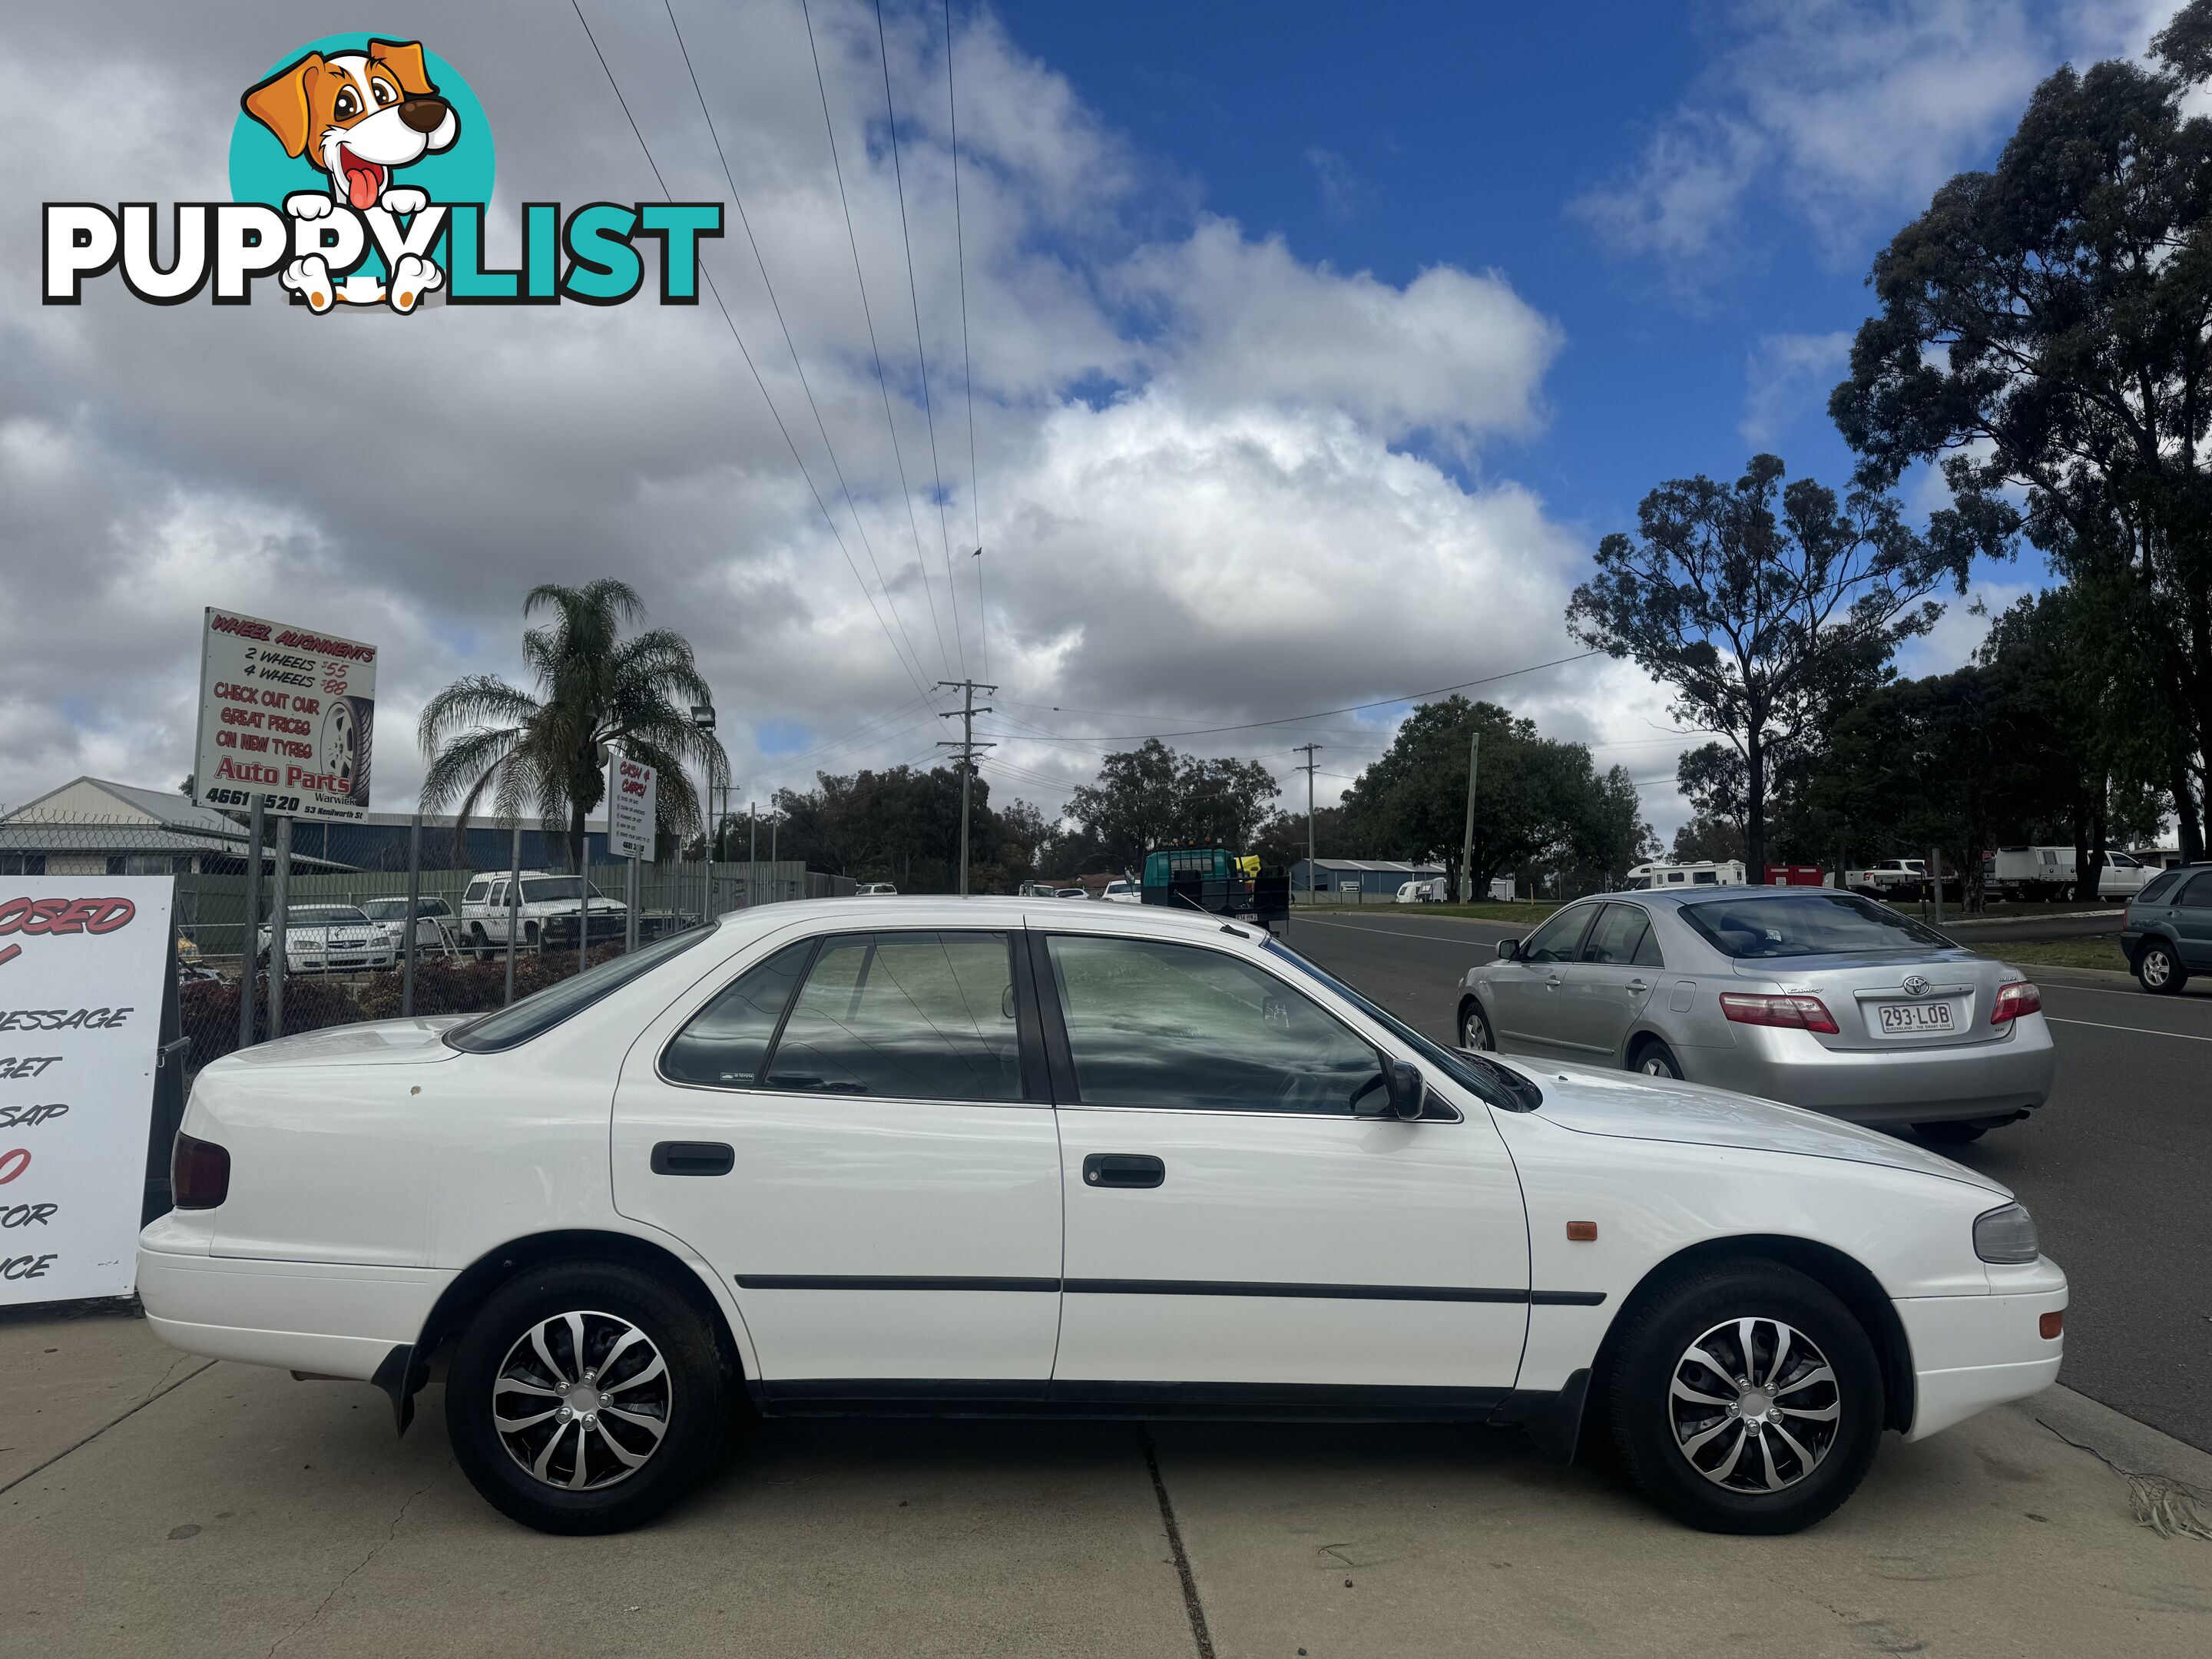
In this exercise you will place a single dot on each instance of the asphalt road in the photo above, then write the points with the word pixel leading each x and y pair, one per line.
pixel 2117 1167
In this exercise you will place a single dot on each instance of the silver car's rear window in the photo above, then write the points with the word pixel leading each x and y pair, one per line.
pixel 1808 924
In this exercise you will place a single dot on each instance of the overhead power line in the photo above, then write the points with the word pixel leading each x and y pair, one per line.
pixel 720 305
pixel 875 352
pixel 737 201
pixel 967 363
pixel 921 361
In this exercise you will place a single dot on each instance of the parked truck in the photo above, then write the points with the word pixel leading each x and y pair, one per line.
pixel 1890 878
pixel 2050 873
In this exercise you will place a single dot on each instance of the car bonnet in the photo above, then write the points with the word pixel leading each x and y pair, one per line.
pixel 1637 1108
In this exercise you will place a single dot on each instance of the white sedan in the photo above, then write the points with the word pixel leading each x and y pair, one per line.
pixel 989 1156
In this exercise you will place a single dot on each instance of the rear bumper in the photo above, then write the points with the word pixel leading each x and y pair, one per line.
pixel 336 1321
pixel 1996 1079
pixel 1971 1352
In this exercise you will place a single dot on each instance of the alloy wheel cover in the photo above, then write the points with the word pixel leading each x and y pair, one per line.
pixel 1753 1405
pixel 582 1400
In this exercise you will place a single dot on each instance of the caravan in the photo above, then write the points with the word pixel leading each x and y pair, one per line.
pixel 1659 877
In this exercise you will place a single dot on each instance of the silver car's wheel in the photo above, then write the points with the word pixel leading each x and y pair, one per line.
pixel 1755 1407
pixel 1657 1059
pixel 582 1401
pixel 1474 1030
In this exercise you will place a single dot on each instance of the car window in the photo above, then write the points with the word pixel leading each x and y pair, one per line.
pixel 1647 954
pixel 1558 939
pixel 386 909
pixel 543 1010
pixel 2197 896
pixel 913 1016
pixel 1614 938
pixel 726 1043
pixel 475 893
pixel 556 889
pixel 2122 861
pixel 322 916
pixel 1155 1024
pixel 1806 923
pixel 2155 889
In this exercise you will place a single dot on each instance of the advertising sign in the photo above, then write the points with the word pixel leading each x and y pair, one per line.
pixel 633 789
pixel 286 714
pixel 81 964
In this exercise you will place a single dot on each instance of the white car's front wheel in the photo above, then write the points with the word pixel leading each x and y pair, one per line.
pixel 1744 1397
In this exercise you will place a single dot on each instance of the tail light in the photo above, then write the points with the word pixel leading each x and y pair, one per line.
pixel 199 1174
pixel 2018 998
pixel 1798 1014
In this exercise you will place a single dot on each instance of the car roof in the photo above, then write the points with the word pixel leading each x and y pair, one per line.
pixel 861 912
pixel 1678 896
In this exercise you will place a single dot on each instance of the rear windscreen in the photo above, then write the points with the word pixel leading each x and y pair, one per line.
pixel 541 1011
pixel 1807 924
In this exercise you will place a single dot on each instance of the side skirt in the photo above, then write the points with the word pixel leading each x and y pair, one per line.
pixel 1248 1401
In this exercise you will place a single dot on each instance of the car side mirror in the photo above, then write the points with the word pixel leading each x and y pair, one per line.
pixel 1509 950
pixel 1407 1092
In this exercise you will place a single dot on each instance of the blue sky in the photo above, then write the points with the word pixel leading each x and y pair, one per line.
pixel 1393 138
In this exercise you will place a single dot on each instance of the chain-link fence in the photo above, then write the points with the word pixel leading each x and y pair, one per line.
pixel 345 956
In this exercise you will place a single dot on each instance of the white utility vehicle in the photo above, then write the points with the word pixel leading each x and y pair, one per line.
pixel 546 912
pixel 2050 873
pixel 998 1156
pixel 1890 878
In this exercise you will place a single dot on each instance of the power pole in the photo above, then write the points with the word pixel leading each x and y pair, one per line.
pixel 1309 750
pixel 1467 842
pixel 967 746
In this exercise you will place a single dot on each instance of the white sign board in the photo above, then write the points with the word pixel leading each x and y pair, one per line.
pixel 286 714
pixel 633 792
pixel 81 964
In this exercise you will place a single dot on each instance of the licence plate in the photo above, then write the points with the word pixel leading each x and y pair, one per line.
pixel 1913 1018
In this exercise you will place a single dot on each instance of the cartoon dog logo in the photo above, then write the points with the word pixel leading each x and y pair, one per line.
pixel 363 115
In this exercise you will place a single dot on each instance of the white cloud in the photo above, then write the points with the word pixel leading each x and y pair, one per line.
pixel 1216 481
pixel 1787 377
pixel 1850 111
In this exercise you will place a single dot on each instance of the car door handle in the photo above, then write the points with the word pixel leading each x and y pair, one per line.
pixel 693 1157
pixel 1638 985
pixel 1123 1169
pixel 1554 982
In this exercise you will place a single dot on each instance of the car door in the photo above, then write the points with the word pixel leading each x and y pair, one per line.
pixel 2192 921
pixel 1616 967
pixel 856 1131
pixel 1236 1233
pixel 1529 1013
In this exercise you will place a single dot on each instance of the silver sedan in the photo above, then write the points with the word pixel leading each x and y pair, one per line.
pixel 1810 997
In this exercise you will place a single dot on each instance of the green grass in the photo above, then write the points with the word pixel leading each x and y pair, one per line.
pixel 2060 952
pixel 1531 913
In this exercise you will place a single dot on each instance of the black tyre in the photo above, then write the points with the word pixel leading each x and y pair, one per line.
pixel 2159 970
pixel 1743 1397
pixel 530 936
pixel 1655 1058
pixel 586 1398
pixel 1950 1134
pixel 1474 1030
pixel 479 942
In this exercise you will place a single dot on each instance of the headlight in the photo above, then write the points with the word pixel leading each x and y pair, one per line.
pixel 2006 1235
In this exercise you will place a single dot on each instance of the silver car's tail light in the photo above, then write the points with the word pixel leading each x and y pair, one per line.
pixel 2007 1234
pixel 1798 1014
pixel 2018 998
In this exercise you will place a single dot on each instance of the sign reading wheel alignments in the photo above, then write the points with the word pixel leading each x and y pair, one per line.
pixel 81 964
pixel 286 714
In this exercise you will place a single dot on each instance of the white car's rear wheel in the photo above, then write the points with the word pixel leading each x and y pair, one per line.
pixel 1744 1398
pixel 585 1398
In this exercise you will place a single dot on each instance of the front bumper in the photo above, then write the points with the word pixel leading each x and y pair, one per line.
pixel 1971 1352
pixel 2000 1079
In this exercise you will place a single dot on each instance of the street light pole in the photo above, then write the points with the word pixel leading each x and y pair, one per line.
pixel 1467 841
pixel 1308 750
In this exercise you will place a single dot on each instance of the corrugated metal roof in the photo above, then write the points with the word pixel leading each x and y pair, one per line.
pixel 165 807
pixel 1379 867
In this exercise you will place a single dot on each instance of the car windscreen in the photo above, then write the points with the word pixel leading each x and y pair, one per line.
pixel 386 909
pixel 322 916
pixel 1490 1081
pixel 556 889
pixel 541 1012
pixel 1808 924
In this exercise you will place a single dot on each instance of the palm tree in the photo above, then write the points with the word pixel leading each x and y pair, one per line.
pixel 547 751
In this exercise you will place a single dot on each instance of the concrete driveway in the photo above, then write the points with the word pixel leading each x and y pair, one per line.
pixel 154 1503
